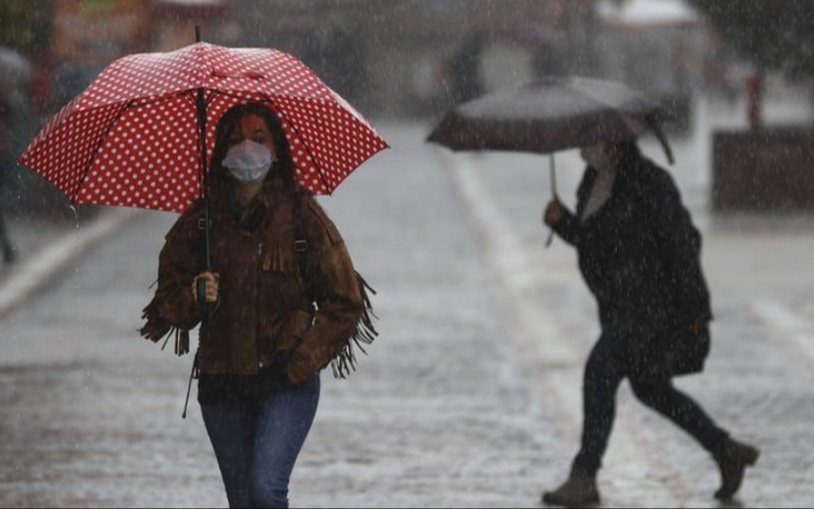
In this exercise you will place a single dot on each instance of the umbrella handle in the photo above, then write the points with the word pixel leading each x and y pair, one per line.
pixel 202 303
pixel 550 239
pixel 553 171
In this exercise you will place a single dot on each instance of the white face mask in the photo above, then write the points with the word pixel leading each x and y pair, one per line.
pixel 249 161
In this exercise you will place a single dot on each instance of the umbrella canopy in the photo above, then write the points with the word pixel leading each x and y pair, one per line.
pixel 132 138
pixel 552 114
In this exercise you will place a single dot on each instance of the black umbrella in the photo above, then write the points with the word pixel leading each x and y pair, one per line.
pixel 553 114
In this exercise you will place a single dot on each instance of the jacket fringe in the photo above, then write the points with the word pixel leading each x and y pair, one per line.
pixel 280 257
pixel 345 362
pixel 158 328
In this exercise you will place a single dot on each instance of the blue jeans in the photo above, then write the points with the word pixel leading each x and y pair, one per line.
pixel 607 367
pixel 258 441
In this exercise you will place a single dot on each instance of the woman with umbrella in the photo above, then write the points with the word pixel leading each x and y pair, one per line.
pixel 639 253
pixel 263 342
pixel 253 258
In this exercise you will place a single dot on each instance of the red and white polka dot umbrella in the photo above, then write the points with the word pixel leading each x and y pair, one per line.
pixel 131 139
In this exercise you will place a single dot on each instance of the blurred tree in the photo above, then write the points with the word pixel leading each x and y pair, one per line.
pixel 24 24
pixel 772 34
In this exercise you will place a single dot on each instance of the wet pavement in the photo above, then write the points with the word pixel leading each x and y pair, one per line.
pixel 470 397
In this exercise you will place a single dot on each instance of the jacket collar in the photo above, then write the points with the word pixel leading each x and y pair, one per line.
pixel 272 208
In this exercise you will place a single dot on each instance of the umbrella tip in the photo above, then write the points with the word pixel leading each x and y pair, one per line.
pixel 197 33
pixel 665 143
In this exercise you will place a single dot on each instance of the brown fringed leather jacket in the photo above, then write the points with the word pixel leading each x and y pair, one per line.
pixel 287 289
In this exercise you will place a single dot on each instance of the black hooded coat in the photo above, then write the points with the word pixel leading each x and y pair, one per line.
pixel 640 256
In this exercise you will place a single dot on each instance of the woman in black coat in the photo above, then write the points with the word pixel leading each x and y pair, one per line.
pixel 639 253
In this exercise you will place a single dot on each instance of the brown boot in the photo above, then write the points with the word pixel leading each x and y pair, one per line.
pixel 733 462
pixel 578 491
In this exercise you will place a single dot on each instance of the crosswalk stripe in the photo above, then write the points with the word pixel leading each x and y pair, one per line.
pixel 798 332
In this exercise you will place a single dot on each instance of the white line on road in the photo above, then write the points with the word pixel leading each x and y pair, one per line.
pixel 36 271
pixel 796 331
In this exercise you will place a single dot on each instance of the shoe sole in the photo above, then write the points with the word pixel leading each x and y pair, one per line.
pixel 553 503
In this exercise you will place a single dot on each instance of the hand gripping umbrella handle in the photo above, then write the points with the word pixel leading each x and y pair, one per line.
pixel 202 302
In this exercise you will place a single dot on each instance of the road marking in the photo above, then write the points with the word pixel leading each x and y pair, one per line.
pixel 796 332
pixel 33 273
pixel 554 356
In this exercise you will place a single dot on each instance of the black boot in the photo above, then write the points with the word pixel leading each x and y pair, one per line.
pixel 578 491
pixel 733 462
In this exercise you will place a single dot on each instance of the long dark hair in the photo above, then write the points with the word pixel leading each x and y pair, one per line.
pixel 283 168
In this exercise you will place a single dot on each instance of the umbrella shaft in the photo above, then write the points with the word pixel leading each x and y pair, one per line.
pixel 201 104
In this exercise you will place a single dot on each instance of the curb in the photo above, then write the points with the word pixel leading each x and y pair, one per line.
pixel 30 276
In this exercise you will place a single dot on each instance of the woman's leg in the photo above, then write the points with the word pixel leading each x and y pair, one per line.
pixel 283 423
pixel 231 428
pixel 604 372
pixel 663 397
pixel 732 457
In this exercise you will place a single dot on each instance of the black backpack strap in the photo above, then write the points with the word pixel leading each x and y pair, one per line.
pixel 366 333
pixel 302 246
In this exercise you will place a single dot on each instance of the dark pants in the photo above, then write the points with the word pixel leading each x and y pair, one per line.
pixel 607 366
pixel 258 442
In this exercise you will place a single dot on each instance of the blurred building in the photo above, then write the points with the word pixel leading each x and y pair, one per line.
pixel 87 35
pixel 418 57
pixel 174 22
pixel 660 47
pixel 394 57
pixel 654 45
